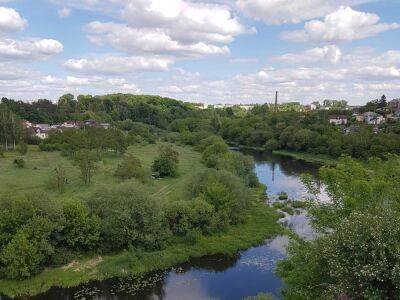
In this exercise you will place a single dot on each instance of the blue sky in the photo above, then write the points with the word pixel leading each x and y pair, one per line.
pixel 237 51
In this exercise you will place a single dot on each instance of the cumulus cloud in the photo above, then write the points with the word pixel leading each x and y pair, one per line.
pixel 147 40
pixel 11 20
pixel 330 53
pixel 31 49
pixel 288 11
pixel 118 65
pixel 345 24
pixel 186 20
pixel 178 28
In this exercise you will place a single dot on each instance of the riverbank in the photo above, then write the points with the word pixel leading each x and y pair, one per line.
pixel 307 157
pixel 261 224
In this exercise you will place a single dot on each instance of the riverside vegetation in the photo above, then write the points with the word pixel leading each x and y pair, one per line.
pixel 162 186
pixel 86 213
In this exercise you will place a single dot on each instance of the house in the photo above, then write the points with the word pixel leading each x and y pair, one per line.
pixel 359 118
pixel 372 118
pixel 43 127
pixel 338 120
pixel 70 124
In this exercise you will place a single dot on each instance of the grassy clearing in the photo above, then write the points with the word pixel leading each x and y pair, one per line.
pixel 260 225
pixel 40 167
pixel 261 220
pixel 312 158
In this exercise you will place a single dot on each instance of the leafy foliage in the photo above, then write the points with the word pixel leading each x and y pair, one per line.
pixel 167 162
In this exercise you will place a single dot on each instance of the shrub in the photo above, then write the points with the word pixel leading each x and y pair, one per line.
pixel 19 163
pixel 131 167
pixel 283 196
pixel 224 191
pixel 1 152
pixel 167 162
pixel 130 217
pixel 178 216
pixel 271 145
pixel 81 231
pixel 278 205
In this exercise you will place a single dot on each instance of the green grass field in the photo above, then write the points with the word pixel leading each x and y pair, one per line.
pixel 39 171
pixel 261 220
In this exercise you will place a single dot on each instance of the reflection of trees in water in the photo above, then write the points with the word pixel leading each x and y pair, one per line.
pixel 287 165
pixel 138 287
pixel 217 263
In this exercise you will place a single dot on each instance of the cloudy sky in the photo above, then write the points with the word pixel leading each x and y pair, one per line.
pixel 213 51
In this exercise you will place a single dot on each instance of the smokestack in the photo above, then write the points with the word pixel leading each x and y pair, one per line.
pixel 276 101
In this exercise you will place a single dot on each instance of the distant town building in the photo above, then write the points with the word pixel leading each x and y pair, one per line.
pixel 372 118
pixel 395 104
pixel 338 120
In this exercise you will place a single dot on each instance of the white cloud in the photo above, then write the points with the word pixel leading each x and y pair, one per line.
pixel 331 54
pixel 118 65
pixel 345 24
pixel 289 11
pixel 147 40
pixel 64 12
pixel 31 49
pixel 11 20
pixel 186 20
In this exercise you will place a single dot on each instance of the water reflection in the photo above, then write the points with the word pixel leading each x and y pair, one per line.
pixel 282 174
pixel 212 277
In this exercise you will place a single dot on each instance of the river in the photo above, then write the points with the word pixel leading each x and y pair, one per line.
pixel 217 277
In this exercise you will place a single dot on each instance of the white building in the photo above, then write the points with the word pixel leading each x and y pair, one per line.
pixel 338 120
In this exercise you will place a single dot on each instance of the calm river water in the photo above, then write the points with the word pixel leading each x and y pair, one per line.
pixel 217 277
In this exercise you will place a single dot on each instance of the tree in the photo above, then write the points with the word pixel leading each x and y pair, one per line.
pixel 11 130
pixel 61 177
pixel 224 191
pixel 29 249
pixel 130 217
pixel 357 255
pixel 86 161
pixel 167 162
pixel 131 167
pixel 81 231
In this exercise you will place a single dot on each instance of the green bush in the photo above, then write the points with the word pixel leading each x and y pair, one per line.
pixel 19 163
pixel 283 196
pixel 130 217
pixel 1 152
pixel 80 230
pixel 224 191
pixel 131 167
pixel 166 165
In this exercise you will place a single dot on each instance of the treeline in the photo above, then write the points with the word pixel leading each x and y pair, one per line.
pixel 39 231
pixel 262 128
pixel 153 110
